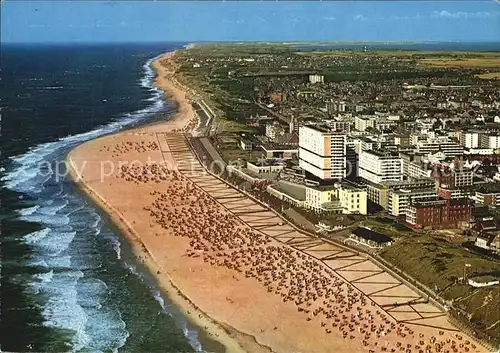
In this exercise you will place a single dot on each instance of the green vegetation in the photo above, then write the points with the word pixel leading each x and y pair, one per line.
pixel 439 264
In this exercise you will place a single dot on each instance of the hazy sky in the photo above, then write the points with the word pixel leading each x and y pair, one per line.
pixel 159 21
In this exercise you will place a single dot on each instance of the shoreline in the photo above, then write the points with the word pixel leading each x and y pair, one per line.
pixel 209 331
pixel 221 297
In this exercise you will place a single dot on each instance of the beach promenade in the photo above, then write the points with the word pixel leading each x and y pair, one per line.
pixel 236 268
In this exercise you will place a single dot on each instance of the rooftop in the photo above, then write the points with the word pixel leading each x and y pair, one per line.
pixel 413 191
pixel 323 128
pixel 369 234
pixel 266 162
pixel 383 154
pixel 490 188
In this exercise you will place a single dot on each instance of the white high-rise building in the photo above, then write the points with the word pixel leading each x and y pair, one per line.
pixel 490 141
pixel 377 166
pixel 322 151
pixel 470 139
pixel 316 78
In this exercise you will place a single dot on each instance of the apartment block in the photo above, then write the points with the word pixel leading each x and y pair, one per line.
pixel 316 78
pixel 322 151
pixel 490 141
pixel 449 148
pixel 378 166
pixel 419 170
pixel 379 193
pixel 470 139
pixel 438 213
pixel 453 177
pixel 400 199
pixel 361 123
pixel 488 195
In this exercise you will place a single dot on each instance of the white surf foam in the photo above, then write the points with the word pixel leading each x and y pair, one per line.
pixel 62 309
pixel 29 167
pixel 34 237
pixel 73 300
pixel 28 211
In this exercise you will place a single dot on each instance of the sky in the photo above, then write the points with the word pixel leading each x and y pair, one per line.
pixel 62 21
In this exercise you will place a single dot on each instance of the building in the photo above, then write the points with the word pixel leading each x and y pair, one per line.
pixel 370 238
pixel 399 199
pixel 488 195
pixel 352 158
pixel 452 177
pixel 322 151
pixel 336 107
pixel 337 198
pixel 367 144
pixel 378 167
pixel 274 129
pixel 246 144
pixel 402 140
pixel 379 193
pixel 408 157
pixel 361 123
pixel 455 192
pixel 438 213
pixel 316 79
pixel 490 141
pixel 277 97
pixel 276 151
pixel 340 125
pixel 265 166
pixel 383 124
pixel 419 170
pixel 470 139
pixel 483 281
pixel 489 241
pixel 449 148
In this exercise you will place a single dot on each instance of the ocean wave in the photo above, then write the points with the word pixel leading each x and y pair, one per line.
pixel 61 249
pixel 159 299
pixel 59 262
pixel 62 309
pixel 52 210
pixel 27 211
pixel 32 166
pixel 115 243
pixel 51 220
pixel 34 237
pixel 45 276
pixel 132 269
pixel 56 244
pixel 108 328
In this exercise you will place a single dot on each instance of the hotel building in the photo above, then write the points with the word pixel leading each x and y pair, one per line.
pixel 322 152
pixel 336 199
pixel 400 199
pixel 378 167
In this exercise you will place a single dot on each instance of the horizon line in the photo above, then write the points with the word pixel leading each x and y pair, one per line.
pixel 290 42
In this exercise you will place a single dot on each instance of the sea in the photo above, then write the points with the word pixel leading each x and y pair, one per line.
pixel 69 282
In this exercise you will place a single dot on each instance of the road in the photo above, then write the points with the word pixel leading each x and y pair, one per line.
pixel 213 152
pixel 283 118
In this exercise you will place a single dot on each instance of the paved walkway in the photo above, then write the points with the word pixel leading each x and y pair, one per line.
pixel 393 296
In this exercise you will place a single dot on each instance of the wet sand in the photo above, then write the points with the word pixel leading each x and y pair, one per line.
pixel 236 269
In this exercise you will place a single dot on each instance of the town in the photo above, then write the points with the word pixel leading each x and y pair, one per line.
pixel 390 152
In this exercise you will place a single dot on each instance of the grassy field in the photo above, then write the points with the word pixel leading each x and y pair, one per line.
pixel 489 76
pixel 439 264
pixel 235 154
pixel 477 62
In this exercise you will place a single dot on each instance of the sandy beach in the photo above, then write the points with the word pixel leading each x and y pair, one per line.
pixel 236 269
